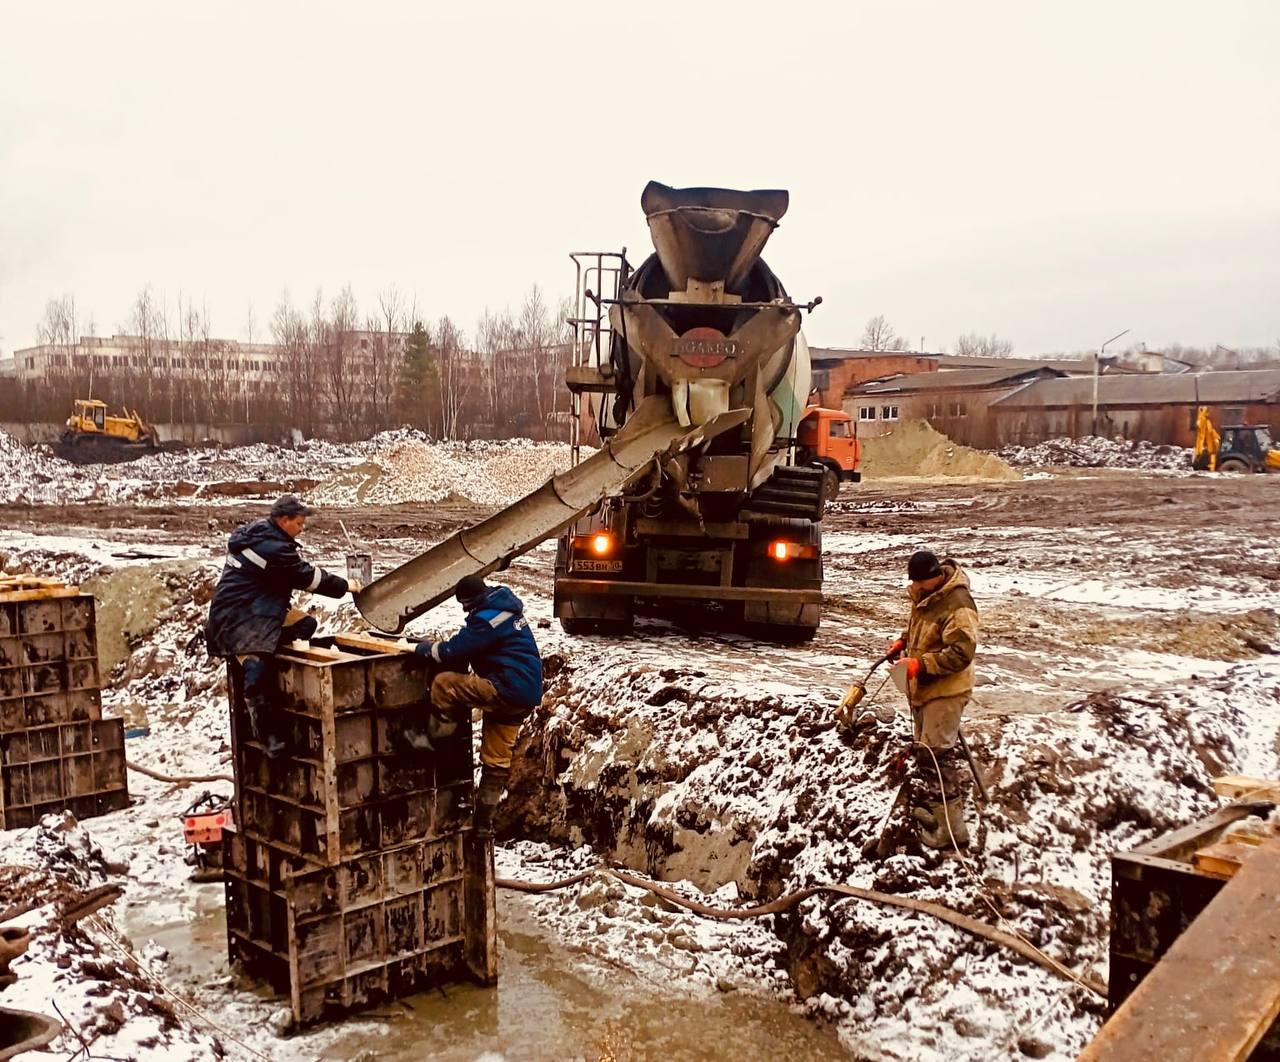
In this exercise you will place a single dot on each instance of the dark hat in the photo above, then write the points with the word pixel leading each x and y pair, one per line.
pixel 469 588
pixel 923 565
pixel 288 505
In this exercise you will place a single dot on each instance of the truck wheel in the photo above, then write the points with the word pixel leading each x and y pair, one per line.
pixel 830 486
pixel 1234 464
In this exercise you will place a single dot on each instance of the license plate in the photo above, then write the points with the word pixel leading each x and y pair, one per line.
pixel 597 565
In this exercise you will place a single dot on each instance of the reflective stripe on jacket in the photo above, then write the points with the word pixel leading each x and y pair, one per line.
pixel 262 570
pixel 498 645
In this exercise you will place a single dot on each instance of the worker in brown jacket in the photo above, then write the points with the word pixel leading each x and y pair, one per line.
pixel 937 673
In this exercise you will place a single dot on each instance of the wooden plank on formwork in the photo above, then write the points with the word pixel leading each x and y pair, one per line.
pixel 371 643
pixel 1216 992
pixel 317 654
pixel 44 593
pixel 1222 859
pixel 1240 786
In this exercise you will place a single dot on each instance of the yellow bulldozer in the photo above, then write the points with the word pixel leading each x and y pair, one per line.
pixel 1237 448
pixel 91 435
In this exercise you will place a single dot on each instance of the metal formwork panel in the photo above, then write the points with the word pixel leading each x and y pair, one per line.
pixel 48 661
pixel 77 766
pixel 345 785
pixel 1156 894
pixel 375 927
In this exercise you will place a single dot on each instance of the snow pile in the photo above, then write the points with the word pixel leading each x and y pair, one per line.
pixel 1094 451
pixel 916 448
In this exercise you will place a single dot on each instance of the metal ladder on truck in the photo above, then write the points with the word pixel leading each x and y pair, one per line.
pixel 599 278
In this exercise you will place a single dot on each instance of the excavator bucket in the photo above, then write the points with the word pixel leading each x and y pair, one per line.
pixel 422 583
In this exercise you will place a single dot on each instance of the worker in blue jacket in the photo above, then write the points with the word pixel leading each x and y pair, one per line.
pixel 505 682
pixel 250 617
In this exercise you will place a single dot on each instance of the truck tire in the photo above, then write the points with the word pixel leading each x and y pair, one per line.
pixel 830 485
pixel 1234 464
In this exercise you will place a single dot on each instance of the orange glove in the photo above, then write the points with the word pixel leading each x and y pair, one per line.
pixel 913 667
pixel 895 649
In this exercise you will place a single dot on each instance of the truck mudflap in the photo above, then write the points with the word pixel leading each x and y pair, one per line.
pixel 391 601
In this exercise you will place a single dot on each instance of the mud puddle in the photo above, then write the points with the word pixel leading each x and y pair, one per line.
pixel 552 1002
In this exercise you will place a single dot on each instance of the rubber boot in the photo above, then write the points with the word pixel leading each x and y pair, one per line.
pixel 933 822
pixel 493 780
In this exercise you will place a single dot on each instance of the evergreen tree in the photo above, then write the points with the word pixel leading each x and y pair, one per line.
pixel 419 379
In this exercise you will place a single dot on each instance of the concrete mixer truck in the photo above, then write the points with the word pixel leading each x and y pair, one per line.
pixel 692 373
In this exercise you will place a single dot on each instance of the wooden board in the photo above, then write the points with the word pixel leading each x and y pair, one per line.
pixel 1243 787
pixel 37 593
pixel 1222 859
pixel 371 643
pixel 1216 992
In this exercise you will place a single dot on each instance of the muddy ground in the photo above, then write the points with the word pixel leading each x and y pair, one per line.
pixel 1130 624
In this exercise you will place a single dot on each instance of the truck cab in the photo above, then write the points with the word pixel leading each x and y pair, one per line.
pixel 828 438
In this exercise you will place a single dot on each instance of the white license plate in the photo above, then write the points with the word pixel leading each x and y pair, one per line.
pixel 597 566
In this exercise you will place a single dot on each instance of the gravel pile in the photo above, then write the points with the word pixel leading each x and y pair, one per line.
pixel 415 470
pixel 1094 451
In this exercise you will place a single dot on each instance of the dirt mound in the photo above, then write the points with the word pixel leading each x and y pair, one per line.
pixel 915 448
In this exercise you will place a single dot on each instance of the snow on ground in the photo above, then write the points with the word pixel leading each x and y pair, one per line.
pixel 1119 672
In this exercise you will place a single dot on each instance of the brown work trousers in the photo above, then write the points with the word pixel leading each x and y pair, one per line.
pixel 937 736
pixel 454 693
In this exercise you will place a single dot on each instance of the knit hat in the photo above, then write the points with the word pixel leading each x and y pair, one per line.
pixel 469 588
pixel 290 506
pixel 923 566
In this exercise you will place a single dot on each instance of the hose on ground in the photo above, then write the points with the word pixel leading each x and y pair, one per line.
pixel 178 779
pixel 791 899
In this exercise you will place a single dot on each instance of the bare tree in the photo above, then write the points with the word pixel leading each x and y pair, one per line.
pixel 879 335
pixel 974 345
pixel 384 357
pixel 456 374
pixel 290 333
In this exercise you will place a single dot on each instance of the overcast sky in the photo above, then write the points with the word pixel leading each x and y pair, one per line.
pixel 1051 172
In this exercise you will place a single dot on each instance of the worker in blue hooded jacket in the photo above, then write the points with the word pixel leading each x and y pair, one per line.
pixel 505 682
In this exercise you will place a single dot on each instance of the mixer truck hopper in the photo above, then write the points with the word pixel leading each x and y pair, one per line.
pixel 692 374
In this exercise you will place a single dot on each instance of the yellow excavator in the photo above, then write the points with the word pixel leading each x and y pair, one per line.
pixel 1237 448
pixel 92 436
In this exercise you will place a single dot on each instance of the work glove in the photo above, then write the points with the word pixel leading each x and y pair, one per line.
pixel 913 667
pixel 895 649
pixel 353 585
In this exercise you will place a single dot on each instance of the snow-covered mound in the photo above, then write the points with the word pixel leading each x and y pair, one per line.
pixel 394 466
pixel 1094 451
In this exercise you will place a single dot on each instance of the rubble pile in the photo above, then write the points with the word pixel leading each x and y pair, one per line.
pixel 1095 451
pixel 395 466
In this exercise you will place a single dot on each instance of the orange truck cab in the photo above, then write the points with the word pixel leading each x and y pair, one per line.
pixel 829 438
